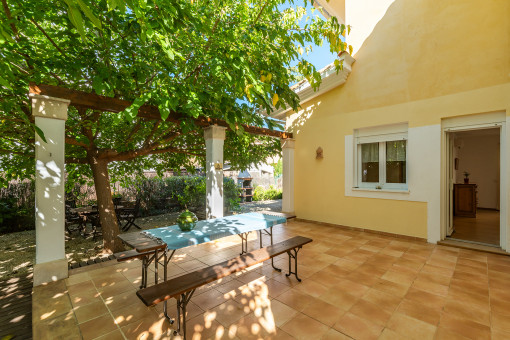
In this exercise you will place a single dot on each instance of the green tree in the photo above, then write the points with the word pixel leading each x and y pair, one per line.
pixel 223 59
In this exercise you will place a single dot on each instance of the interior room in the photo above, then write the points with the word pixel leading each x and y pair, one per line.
pixel 476 188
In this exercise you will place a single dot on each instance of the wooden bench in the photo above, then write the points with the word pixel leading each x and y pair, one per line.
pixel 183 287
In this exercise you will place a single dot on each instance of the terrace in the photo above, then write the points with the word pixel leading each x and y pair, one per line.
pixel 355 284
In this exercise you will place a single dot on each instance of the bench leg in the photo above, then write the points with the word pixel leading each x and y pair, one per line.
pixel 144 272
pixel 270 233
pixel 182 302
pixel 293 255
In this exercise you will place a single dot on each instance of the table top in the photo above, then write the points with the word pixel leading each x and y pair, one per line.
pixel 205 231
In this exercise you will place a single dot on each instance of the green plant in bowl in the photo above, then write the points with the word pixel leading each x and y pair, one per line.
pixel 187 221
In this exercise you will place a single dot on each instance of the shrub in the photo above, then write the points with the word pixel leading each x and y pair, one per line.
pixel 17 207
pixel 178 192
pixel 261 194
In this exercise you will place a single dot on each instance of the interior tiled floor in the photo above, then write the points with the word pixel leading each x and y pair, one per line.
pixel 483 228
pixel 355 285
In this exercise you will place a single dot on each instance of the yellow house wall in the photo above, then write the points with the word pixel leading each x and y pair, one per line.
pixel 424 61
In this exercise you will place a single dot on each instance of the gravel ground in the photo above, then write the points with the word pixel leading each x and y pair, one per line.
pixel 17 250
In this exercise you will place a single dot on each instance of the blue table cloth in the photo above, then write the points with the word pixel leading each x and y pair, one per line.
pixel 213 229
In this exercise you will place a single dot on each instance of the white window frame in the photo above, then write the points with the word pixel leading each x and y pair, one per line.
pixel 379 135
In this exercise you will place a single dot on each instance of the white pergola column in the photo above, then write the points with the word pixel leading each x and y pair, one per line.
pixel 288 175
pixel 214 138
pixel 50 258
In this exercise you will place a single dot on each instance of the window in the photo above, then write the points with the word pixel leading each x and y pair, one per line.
pixel 382 158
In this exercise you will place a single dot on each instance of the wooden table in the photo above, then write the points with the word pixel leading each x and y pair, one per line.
pixel 161 241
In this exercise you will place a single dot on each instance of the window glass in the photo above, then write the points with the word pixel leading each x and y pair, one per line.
pixel 370 162
pixel 396 161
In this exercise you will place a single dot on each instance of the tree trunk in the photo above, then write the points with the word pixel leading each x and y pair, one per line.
pixel 107 216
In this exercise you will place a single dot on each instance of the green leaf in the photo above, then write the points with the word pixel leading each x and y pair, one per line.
pixel 40 133
pixel 5 83
pixel 77 20
pixel 88 13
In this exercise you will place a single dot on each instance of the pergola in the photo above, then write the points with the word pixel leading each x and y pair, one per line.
pixel 49 108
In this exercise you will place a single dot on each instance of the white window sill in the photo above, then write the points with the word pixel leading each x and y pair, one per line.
pixel 396 191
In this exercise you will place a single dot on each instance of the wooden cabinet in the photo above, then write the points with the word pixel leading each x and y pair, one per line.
pixel 464 200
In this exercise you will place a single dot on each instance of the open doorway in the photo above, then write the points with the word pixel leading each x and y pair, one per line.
pixel 474 176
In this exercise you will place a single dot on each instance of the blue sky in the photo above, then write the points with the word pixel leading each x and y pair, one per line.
pixel 320 55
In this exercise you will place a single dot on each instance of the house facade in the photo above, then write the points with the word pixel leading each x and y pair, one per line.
pixel 425 76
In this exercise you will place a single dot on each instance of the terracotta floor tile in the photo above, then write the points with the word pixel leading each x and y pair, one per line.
pixel 500 294
pixel 353 288
pixel 281 313
pixel 500 307
pixel 295 299
pixel 471 312
pixel 61 327
pixel 411 327
pixel 47 308
pixel 149 327
pixel 115 335
pixel 304 327
pixel 432 269
pixel 81 287
pixel 399 277
pixel 384 300
pixel 501 322
pixel 90 311
pixel 77 278
pixel 470 269
pixel 500 335
pixel 116 288
pixel 391 287
pixel 366 279
pixel 324 312
pixel 231 311
pixel 123 300
pixel 465 327
pixel 333 334
pixel 370 311
pixel 426 298
pixel 473 287
pixel 85 297
pixel 420 312
pixel 312 288
pixel 339 298
pixel 275 288
pixel 388 334
pixel 467 297
pixel 470 276
pixel 447 334
pixel 252 327
pixel 471 262
pixel 131 313
pixel 98 326
pixel 431 287
pixel 357 328
pixel 209 299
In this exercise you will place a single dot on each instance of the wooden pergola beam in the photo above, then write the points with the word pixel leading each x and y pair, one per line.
pixel 96 102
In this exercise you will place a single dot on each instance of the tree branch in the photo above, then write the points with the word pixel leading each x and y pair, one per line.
pixel 76 160
pixel 47 37
pixel 72 141
pixel 9 16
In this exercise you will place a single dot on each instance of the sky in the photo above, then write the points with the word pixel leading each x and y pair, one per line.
pixel 320 55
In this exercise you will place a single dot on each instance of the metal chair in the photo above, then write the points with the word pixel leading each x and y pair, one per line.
pixel 130 215
pixel 73 221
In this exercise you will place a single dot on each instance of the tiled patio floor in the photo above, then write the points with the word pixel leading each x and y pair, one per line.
pixel 355 285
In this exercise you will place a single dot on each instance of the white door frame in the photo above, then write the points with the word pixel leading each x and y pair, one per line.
pixel 467 124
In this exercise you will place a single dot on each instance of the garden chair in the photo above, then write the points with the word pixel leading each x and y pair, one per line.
pixel 130 215
pixel 96 226
pixel 73 221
